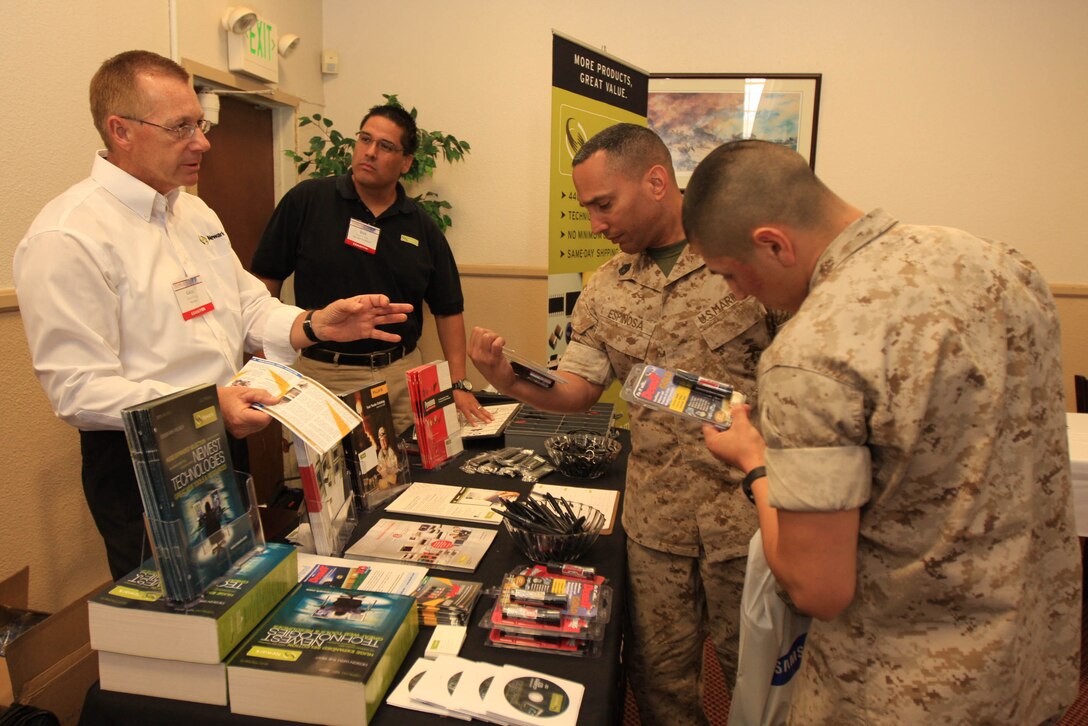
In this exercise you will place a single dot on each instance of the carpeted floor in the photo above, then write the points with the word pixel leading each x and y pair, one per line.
pixel 716 695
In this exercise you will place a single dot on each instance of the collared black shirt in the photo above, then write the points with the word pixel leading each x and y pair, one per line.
pixel 413 262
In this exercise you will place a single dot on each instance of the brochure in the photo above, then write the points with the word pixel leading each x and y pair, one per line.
pixel 502 414
pixel 445 501
pixel 444 546
pixel 388 577
pixel 307 408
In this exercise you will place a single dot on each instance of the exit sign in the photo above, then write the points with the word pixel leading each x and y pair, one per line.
pixel 254 51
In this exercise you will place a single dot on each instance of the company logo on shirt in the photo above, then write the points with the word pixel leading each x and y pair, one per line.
pixel 410 240
pixel 207 240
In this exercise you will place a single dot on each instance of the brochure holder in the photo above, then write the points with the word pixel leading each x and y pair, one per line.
pixel 372 493
pixel 303 538
pixel 186 569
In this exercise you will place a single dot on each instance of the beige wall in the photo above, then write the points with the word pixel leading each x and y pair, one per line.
pixel 46 62
pixel 965 114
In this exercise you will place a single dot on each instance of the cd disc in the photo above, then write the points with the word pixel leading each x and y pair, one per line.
pixel 451 684
pixel 536 696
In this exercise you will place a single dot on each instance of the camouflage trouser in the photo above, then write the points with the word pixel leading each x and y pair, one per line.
pixel 673 604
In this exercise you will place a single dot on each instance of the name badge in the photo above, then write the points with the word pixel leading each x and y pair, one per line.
pixel 362 236
pixel 193 298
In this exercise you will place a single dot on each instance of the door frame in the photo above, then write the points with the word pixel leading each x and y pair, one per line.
pixel 284 108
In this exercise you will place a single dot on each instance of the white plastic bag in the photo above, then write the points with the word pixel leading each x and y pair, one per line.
pixel 772 641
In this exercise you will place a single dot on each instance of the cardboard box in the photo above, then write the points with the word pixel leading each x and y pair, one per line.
pixel 50 666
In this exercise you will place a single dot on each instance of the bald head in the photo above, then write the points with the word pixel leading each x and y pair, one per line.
pixel 743 185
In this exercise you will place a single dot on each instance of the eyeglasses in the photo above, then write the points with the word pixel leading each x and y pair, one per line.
pixel 184 132
pixel 384 144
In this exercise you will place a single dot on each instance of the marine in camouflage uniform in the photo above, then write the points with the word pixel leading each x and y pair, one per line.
pixel 918 385
pixel 687 522
pixel 687 525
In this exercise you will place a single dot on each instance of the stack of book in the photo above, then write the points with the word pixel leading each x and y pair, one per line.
pixel 150 647
pixel 561 609
pixel 198 514
pixel 501 694
pixel 324 656
pixel 442 601
pixel 438 427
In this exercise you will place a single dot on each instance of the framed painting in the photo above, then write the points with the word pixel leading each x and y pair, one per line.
pixel 694 113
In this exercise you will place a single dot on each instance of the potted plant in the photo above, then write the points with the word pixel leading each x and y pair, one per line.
pixel 329 154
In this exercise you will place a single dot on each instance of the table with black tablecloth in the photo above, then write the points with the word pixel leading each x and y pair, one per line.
pixel 602 675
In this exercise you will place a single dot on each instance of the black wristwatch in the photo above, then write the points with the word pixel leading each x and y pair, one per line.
pixel 308 327
pixel 462 385
pixel 746 482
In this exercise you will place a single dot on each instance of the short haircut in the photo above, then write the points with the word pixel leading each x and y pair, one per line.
pixel 743 185
pixel 631 149
pixel 115 92
pixel 409 132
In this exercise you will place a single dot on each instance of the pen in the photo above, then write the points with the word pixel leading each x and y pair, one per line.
pixel 537 615
pixel 538 597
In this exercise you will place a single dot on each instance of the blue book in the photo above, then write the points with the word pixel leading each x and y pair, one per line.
pixel 133 618
pixel 324 655
pixel 197 511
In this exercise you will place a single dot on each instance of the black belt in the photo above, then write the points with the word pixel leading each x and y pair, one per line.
pixel 379 359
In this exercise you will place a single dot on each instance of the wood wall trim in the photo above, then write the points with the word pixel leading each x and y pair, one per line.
pixel 10 303
pixel 521 271
pixel 1069 290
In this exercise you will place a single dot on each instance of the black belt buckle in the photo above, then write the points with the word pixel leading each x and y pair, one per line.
pixel 374 360
pixel 384 358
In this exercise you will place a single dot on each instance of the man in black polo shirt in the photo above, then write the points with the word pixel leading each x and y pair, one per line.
pixel 358 233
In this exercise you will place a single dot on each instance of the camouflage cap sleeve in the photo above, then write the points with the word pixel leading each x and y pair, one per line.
pixel 817 454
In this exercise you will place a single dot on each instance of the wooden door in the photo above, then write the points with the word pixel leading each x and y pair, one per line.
pixel 237 182
pixel 236 176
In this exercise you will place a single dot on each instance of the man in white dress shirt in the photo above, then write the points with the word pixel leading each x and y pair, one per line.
pixel 129 289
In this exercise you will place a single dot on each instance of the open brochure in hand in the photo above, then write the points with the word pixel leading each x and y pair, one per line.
pixel 197 510
pixel 444 546
pixel 306 408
